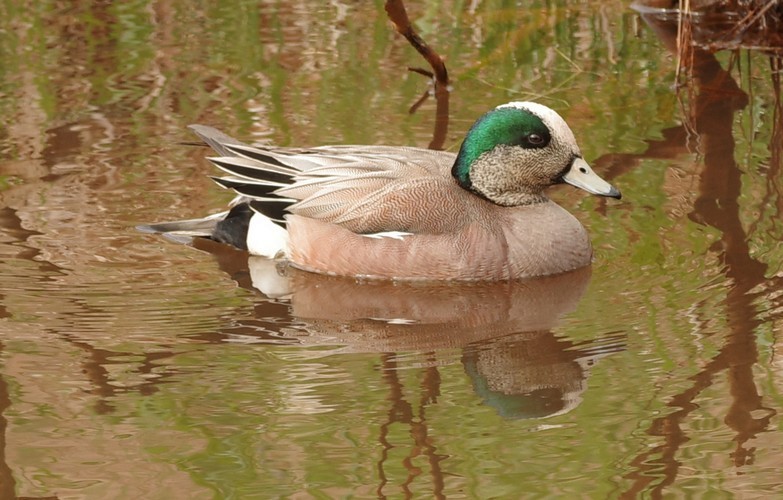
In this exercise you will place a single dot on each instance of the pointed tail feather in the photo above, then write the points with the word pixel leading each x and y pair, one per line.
pixel 216 139
pixel 204 226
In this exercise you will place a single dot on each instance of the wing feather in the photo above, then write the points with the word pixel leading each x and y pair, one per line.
pixel 366 189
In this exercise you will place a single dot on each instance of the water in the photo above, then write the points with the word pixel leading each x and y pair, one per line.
pixel 132 367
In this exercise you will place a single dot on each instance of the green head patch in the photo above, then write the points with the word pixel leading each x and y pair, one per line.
pixel 505 125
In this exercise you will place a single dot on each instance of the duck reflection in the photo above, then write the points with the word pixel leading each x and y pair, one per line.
pixel 503 331
pixel 530 376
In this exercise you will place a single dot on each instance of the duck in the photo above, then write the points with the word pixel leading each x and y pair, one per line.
pixel 407 213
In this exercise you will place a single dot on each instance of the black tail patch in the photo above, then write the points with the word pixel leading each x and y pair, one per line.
pixel 233 229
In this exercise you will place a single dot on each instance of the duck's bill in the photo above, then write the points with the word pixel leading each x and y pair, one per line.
pixel 582 176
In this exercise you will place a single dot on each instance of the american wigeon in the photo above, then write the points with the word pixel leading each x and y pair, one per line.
pixel 409 213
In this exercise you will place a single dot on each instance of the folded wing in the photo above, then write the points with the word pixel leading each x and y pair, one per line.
pixel 365 189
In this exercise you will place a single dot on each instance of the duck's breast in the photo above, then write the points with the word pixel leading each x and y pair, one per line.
pixel 544 239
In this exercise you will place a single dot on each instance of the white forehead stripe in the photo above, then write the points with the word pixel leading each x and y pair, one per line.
pixel 557 126
pixel 545 113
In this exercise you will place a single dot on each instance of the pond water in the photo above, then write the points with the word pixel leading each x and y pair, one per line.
pixel 134 367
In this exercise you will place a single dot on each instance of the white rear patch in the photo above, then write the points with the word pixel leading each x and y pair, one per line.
pixel 265 238
pixel 397 235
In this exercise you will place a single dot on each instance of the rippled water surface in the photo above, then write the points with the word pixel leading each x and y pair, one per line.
pixel 134 367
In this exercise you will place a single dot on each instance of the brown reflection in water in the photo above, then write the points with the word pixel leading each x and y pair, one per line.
pixel 11 227
pixel 68 163
pixel 717 205
pixel 7 482
pixel 401 411
pixel 95 369
pixel 15 248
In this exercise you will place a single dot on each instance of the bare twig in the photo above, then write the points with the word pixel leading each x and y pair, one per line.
pixel 752 17
pixel 395 9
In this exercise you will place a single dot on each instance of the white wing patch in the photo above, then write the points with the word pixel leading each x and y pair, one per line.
pixel 397 235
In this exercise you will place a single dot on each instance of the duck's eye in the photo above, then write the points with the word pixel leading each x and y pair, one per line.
pixel 535 140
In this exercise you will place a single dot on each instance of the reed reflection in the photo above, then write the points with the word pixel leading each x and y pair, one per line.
pixel 7 481
pixel 714 99
pixel 11 235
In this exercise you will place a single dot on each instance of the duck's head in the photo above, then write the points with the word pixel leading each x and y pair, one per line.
pixel 514 152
